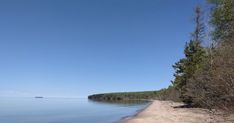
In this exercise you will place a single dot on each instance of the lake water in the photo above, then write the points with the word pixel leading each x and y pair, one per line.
pixel 64 110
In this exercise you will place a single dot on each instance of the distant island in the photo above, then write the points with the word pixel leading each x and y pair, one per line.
pixel 38 97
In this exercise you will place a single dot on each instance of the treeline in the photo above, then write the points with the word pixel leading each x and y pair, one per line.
pixel 205 76
pixel 163 94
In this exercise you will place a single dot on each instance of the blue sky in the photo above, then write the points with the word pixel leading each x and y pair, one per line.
pixel 73 48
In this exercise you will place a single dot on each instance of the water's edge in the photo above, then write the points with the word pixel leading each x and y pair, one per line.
pixel 125 118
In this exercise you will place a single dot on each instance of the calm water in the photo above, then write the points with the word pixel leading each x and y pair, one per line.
pixel 63 110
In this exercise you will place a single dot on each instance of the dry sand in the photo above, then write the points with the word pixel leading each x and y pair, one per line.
pixel 165 112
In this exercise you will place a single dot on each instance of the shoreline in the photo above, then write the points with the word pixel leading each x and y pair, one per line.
pixel 125 118
pixel 166 112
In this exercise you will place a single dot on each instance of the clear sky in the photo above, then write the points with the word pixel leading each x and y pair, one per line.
pixel 73 48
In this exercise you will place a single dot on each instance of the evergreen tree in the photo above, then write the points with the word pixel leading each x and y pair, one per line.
pixel 194 56
pixel 222 19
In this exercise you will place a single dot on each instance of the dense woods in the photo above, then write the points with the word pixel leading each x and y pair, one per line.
pixel 205 76
pixel 163 94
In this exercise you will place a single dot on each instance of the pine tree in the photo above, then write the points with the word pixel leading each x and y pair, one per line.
pixel 194 55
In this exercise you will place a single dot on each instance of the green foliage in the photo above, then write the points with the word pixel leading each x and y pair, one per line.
pixel 186 67
pixel 194 56
pixel 164 94
pixel 222 19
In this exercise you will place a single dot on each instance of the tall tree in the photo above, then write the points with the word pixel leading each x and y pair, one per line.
pixel 212 85
pixel 194 56
pixel 199 31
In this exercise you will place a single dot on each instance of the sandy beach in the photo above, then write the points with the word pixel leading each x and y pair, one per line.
pixel 165 112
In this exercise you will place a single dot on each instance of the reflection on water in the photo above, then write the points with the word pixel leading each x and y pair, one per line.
pixel 122 102
pixel 64 110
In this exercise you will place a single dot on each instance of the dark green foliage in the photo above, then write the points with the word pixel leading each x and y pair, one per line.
pixel 194 57
pixel 163 94
pixel 222 19
pixel 186 67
